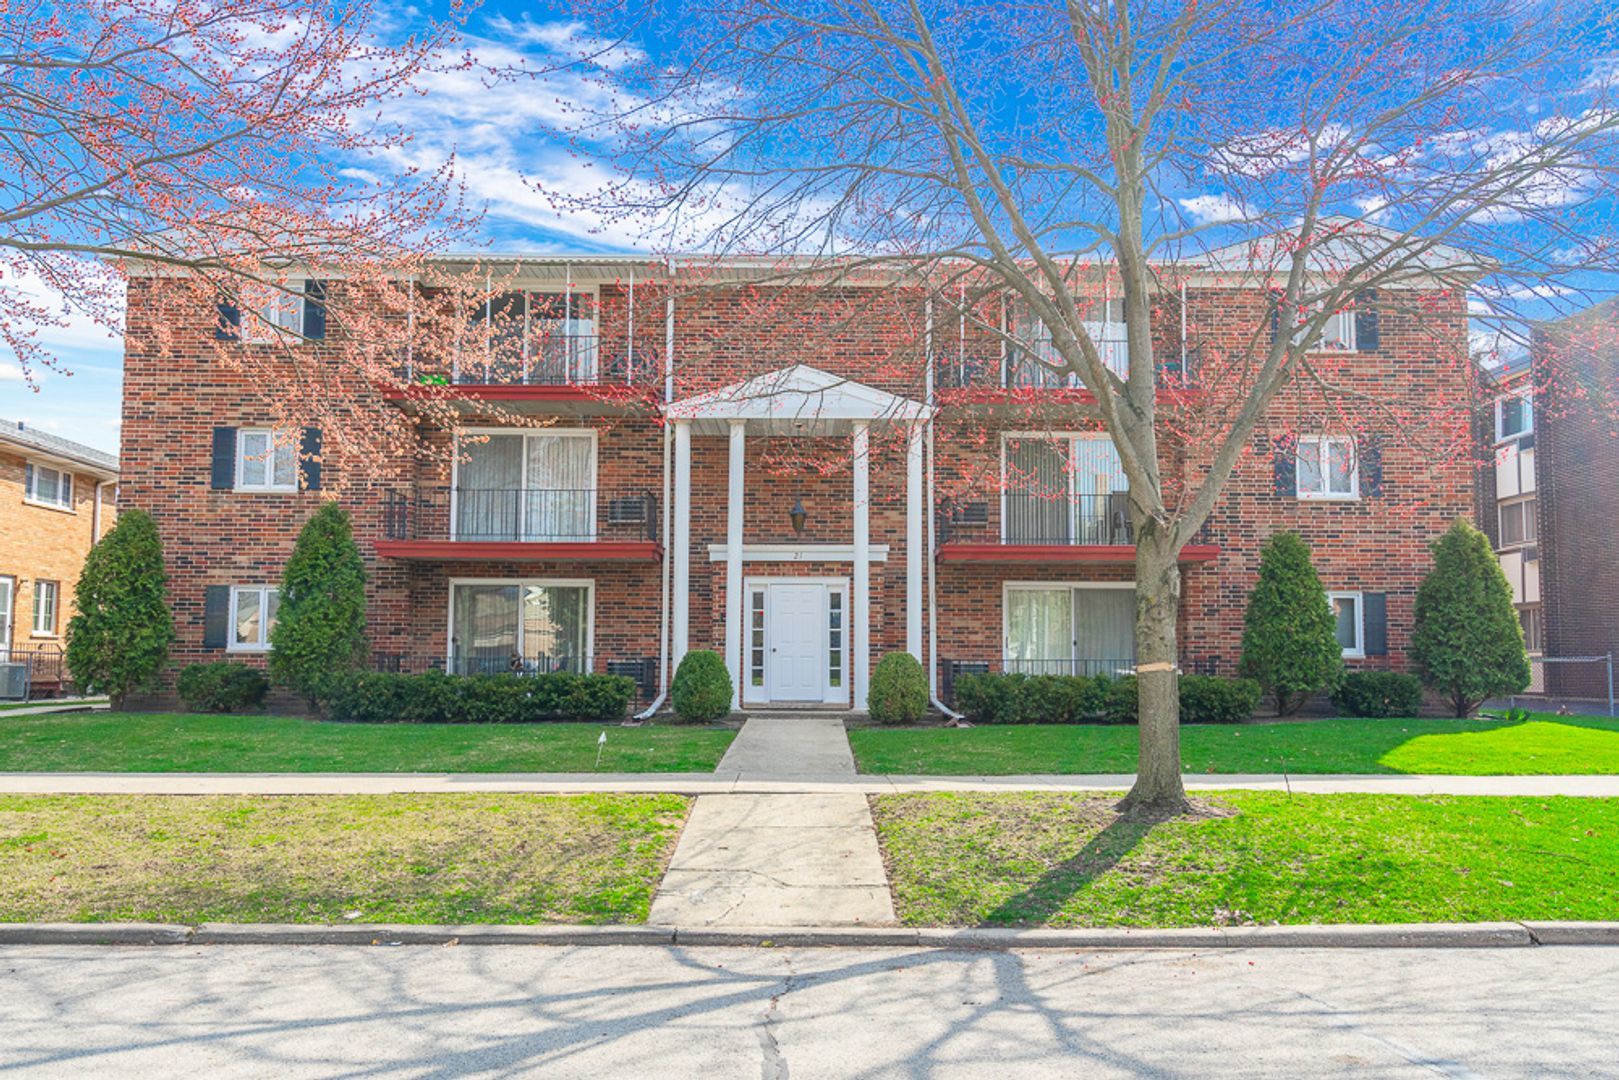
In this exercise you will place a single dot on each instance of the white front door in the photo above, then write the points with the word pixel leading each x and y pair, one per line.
pixel 8 592
pixel 795 664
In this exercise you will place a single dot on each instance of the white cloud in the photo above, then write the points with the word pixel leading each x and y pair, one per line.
pixel 10 372
pixel 1215 209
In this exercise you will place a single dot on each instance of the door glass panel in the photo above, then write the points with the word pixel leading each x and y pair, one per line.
pixel 559 503
pixel 488 482
pixel 1104 631
pixel 1039 627
pixel 554 628
pixel 756 638
pixel 1101 506
pixel 484 638
pixel 1036 499
pixel 834 638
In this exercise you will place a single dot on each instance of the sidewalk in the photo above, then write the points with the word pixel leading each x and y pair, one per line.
pixel 760 783
pixel 779 859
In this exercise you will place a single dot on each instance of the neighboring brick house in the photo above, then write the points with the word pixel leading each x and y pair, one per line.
pixel 59 499
pixel 803 481
pixel 1553 424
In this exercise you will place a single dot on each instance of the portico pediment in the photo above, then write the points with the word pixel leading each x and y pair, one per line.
pixel 799 399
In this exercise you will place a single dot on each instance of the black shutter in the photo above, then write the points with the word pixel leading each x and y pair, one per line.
pixel 1366 321
pixel 309 460
pixel 228 327
pixel 1369 453
pixel 224 464
pixel 315 310
pixel 1275 315
pixel 215 616
pixel 1375 616
pixel 1285 462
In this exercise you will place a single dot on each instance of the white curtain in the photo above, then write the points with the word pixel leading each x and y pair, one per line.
pixel 560 495
pixel 1104 630
pixel 1039 626
pixel 488 482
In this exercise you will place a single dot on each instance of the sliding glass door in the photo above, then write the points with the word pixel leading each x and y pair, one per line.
pixel 1069 630
pixel 526 627
pixel 1064 490
pixel 538 488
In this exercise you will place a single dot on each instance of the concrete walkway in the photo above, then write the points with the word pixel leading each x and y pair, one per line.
pixel 719 783
pixel 779 859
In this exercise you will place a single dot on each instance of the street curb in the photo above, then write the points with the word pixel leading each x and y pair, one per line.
pixel 1393 936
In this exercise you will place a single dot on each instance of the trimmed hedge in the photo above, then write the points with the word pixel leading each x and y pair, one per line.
pixel 1378 694
pixel 899 690
pixel 222 687
pixel 1017 698
pixel 435 697
pixel 1205 699
pixel 701 692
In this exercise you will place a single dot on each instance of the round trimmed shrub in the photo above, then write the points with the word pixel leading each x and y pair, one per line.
pixel 222 687
pixel 1210 699
pixel 1378 694
pixel 701 692
pixel 899 690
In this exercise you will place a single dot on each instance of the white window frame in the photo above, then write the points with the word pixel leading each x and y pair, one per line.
pixel 1529 522
pixel 1358 651
pixel 277 448
pixel 1339 327
pixel 64 485
pixel 1321 442
pixel 1527 398
pixel 1007 588
pixel 271 311
pixel 263 644
pixel 55 609
pixel 588 584
pixel 527 433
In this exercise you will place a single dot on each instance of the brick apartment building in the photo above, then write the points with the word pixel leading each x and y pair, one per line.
pixel 802 480
pixel 58 500
pixel 1551 424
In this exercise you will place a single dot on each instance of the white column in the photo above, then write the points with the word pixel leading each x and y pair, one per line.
pixel 914 555
pixel 860 608
pixel 681 556
pixel 733 562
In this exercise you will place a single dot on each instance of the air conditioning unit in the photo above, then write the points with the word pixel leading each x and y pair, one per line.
pixel 14 681
pixel 631 510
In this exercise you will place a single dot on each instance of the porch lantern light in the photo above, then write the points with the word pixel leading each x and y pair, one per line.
pixel 798 516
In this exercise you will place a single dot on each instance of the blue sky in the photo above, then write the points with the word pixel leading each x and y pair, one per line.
pixel 505 138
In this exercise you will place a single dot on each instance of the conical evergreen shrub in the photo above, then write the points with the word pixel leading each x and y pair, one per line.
pixel 319 633
pixel 1289 636
pixel 1468 642
pixel 119 639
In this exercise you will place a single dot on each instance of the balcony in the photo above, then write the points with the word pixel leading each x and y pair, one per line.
pixel 1048 528
pixel 551 366
pixel 588 524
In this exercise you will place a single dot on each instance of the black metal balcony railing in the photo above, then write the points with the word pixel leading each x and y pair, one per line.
pixel 521 515
pixel 46 663
pixel 1030 518
pixel 550 357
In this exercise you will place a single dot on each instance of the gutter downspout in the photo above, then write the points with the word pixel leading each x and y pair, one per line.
pixel 665 625
pixel 932 566
pixel 95 512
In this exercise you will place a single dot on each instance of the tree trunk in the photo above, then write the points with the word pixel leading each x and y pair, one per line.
pixel 1158 788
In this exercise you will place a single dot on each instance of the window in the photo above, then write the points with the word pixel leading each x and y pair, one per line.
pixel 756 638
pixel 45 608
pixel 1063 490
pixel 531 337
pixel 1534 628
pixel 1337 333
pixel 269 309
pixel 1326 468
pixel 834 638
pixel 47 486
pixel 1517 522
pixel 1104 321
pixel 527 488
pixel 1514 416
pixel 1349 611
pixel 252 616
pixel 1069 629
pixel 523 626
pixel 266 460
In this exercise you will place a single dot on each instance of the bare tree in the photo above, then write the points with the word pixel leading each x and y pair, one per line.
pixel 1329 153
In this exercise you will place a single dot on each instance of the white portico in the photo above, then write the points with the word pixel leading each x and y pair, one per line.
pixel 780 630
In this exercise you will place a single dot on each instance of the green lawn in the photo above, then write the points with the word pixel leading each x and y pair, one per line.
pixel 1546 744
pixel 170 742
pixel 1069 860
pixel 333 859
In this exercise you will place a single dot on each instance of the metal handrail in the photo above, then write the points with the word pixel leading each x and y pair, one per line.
pixel 520 515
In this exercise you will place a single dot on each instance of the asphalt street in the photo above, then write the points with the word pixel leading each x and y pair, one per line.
pixel 229 1011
